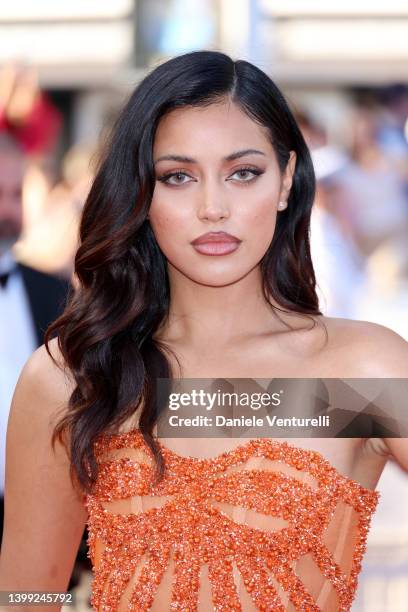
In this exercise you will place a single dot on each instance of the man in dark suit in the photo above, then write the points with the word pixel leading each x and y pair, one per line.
pixel 29 299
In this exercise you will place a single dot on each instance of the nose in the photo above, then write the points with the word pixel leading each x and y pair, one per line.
pixel 213 204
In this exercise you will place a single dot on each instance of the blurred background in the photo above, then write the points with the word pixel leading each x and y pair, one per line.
pixel 66 69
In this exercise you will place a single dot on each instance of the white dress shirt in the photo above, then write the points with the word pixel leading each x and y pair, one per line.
pixel 17 343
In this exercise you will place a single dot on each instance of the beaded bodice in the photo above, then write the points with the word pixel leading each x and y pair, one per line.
pixel 266 526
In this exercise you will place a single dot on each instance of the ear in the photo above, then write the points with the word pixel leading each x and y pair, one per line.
pixel 287 178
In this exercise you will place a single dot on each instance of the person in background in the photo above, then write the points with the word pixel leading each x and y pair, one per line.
pixel 29 299
pixel 369 193
pixel 26 112
pixel 339 266
pixel 53 213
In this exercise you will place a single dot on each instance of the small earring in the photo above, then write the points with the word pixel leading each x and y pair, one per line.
pixel 282 205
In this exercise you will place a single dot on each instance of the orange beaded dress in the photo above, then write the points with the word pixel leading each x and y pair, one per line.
pixel 266 526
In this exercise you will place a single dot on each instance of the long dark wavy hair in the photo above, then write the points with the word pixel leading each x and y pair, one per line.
pixel 105 334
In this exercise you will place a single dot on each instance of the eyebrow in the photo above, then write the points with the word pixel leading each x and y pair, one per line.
pixel 190 160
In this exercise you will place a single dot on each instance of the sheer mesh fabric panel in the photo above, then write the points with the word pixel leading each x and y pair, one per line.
pixel 264 527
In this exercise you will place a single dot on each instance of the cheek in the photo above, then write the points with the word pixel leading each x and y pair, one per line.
pixel 259 221
pixel 168 221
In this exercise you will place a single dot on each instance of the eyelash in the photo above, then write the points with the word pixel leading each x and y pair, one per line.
pixel 165 177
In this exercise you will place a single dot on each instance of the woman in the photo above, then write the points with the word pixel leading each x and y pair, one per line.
pixel 193 262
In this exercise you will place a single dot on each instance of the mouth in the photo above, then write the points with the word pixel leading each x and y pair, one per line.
pixel 216 243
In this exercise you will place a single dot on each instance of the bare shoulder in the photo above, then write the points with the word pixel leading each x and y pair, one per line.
pixel 41 362
pixel 365 349
pixel 44 381
pixel 362 349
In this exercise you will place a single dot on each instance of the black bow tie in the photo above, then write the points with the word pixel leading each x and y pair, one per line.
pixel 4 276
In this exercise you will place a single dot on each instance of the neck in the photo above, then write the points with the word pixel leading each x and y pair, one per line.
pixel 202 315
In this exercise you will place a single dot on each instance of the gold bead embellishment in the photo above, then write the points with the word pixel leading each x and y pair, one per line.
pixel 190 529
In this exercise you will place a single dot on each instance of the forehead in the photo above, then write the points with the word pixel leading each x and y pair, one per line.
pixel 221 127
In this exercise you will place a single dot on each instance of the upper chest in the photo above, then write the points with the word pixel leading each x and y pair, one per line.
pixel 300 356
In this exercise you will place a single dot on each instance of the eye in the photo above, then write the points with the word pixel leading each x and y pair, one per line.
pixel 174 178
pixel 246 175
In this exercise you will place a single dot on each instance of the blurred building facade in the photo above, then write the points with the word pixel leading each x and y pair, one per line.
pixel 313 49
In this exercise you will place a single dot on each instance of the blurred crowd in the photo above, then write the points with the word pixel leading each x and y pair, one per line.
pixel 358 234
pixel 360 217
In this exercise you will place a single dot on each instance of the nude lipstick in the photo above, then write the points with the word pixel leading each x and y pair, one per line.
pixel 216 243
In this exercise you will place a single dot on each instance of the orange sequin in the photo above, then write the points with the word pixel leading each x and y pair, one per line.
pixel 190 529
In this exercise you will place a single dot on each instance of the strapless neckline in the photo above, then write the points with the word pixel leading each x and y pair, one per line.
pixel 239 449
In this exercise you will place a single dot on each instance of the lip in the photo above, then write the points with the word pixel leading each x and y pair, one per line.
pixel 215 237
pixel 216 243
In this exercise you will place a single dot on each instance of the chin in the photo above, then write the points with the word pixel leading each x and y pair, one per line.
pixel 213 278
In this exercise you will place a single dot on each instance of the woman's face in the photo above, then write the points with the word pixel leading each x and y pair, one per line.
pixel 216 171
